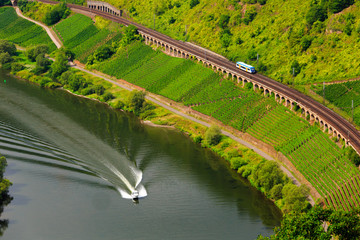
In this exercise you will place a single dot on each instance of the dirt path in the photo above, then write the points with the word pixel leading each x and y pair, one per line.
pixel 51 34
pixel 123 84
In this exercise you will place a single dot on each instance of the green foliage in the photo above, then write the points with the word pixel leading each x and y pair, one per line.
pixel 60 65
pixel 250 15
pixel 108 96
pixel 130 35
pixel 42 64
pixel 309 225
pixel 7 47
pixel 102 53
pixel 336 6
pixel 16 67
pixel 33 52
pixel 305 42
pixel 5 3
pixel 353 156
pixel 224 21
pixel 295 197
pixel 212 135
pixel 316 13
pixel 57 12
pixel 295 68
pixel 136 101
pixel 5 57
pixel 193 3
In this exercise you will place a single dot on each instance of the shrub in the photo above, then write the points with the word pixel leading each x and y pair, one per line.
pixel 56 13
pixel 16 67
pixel 193 3
pixel 7 47
pixel 87 91
pixel 33 52
pixel 99 89
pixel 249 16
pixel 224 21
pixel 295 68
pixel 336 6
pixel 108 96
pixel 237 162
pixel 276 192
pixel 5 58
pixel 316 13
pixel 136 100
pixel 353 156
pixel 212 135
pixel 305 43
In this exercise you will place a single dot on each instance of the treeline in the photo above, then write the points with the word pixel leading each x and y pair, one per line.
pixel 311 225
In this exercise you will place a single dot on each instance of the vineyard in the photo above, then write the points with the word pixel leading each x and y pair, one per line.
pixel 312 152
pixel 342 95
pixel 21 31
pixel 80 34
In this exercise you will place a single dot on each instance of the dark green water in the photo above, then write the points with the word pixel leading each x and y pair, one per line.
pixel 59 148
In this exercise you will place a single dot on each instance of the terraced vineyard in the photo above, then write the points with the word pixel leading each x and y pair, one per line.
pixel 342 95
pixel 21 31
pixel 80 34
pixel 312 152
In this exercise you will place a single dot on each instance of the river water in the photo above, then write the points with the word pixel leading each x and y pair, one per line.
pixel 69 158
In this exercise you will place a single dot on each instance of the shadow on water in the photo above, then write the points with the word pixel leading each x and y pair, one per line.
pixel 75 134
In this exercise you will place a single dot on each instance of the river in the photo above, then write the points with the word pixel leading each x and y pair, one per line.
pixel 70 158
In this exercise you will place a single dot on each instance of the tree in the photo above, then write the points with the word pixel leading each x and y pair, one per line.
pixel 60 65
pixel 42 64
pixel 5 2
pixel 54 14
pixel 345 225
pixel 33 52
pixel 137 100
pixel 5 58
pixel 130 34
pixel 295 68
pixel 7 47
pixel 353 156
pixel 295 197
pixel 212 135
pixel 102 53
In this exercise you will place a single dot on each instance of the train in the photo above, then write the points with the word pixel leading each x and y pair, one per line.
pixel 245 67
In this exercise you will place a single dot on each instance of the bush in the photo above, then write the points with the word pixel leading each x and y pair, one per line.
pixel 237 162
pixel 193 3
pixel 136 100
pixel 56 13
pixel 7 47
pixel 108 96
pixel 305 43
pixel 212 135
pixel 316 13
pixel 353 156
pixel 99 89
pixel 224 21
pixel 87 91
pixel 33 52
pixel 250 15
pixel 295 68
pixel 5 58
pixel 336 6
pixel 16 67
pixel 276 192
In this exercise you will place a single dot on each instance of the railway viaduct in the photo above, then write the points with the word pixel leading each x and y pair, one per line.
pixel 328 120
pixel 288 101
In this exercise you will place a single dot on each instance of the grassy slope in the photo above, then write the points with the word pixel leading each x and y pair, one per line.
pixel 275 34
pixel 21 31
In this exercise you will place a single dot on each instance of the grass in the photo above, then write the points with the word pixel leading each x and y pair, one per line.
pixel 21 31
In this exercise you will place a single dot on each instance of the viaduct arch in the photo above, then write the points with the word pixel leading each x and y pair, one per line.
pixel 104 7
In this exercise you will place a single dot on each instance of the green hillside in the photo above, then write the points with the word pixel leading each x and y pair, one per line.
pixel 21 31
pixel 283 33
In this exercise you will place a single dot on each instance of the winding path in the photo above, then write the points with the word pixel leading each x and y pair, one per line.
pixel 165 105
pixel 51 34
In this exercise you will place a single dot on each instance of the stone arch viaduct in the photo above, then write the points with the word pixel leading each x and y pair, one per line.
pixel 280 97
pixel 104 7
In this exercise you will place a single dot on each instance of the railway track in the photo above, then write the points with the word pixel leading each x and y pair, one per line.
pixel 345 128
